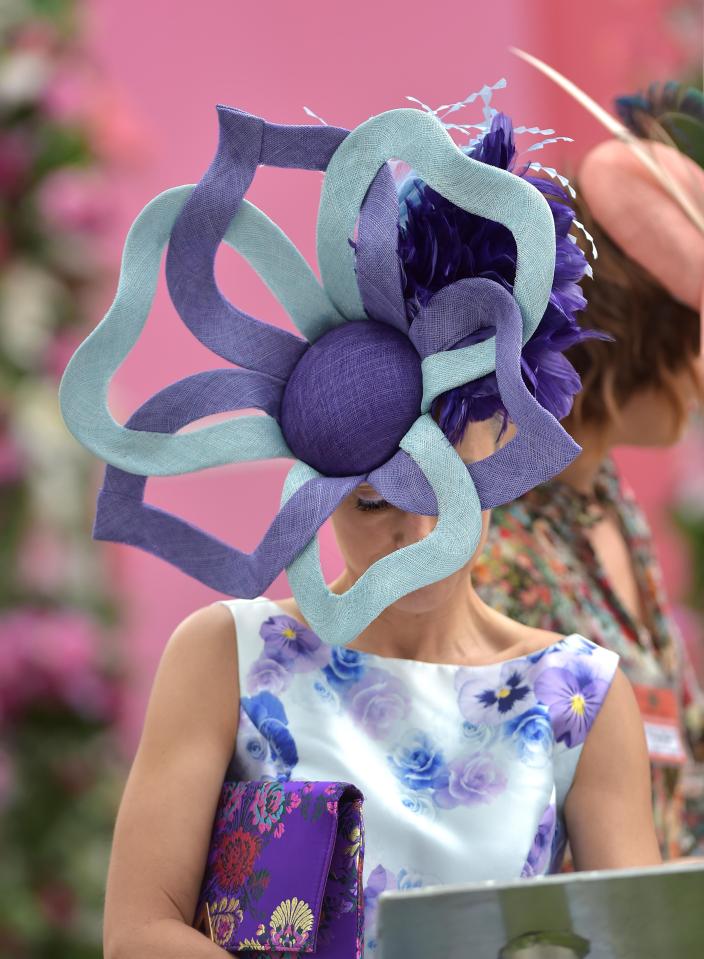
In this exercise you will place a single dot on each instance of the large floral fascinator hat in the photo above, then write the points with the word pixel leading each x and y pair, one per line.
pixel 645 187
pixel 444 298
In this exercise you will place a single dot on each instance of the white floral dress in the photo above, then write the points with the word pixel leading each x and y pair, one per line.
pixel 464 770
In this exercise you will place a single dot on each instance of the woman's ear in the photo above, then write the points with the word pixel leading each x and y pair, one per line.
pixel 483 438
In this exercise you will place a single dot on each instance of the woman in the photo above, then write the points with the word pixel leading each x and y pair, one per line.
pixel 396 714
pixel 478 742
pixel 576 553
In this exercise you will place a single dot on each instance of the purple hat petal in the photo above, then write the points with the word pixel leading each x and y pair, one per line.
pixel 191 399
pixel 378 265
pixel 541 448
pixel 245 142
pixel 123 517
pixel 403 483
pixel 440 326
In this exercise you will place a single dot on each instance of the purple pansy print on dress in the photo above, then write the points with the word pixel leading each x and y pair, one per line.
pixel 418 763
pixel 473 779
pixel 493 695
pixel 293 645
pixel 268 715
pixel 573 699
pixel 538 861
pixel 379 701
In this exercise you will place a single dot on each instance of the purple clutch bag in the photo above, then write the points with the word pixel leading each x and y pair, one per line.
pixel 284 871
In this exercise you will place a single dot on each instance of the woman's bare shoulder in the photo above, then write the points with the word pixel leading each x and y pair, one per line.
pixel 198 669
pixel 207 633
pixel 515 638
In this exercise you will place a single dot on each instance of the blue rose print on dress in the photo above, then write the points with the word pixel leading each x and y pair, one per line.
pixel 532 735
pixel 268 715
pixel 577 644
pixel 418 762
pixel 420 804
pixel 480 735
pixel 345 666
pixel 254 744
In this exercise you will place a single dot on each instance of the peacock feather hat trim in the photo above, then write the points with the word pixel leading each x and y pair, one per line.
pixel 349 400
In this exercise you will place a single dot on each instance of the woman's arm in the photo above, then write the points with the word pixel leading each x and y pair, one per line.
pixel 167 811
pixel 609 807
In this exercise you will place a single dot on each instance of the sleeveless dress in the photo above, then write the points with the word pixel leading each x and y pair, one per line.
pixel 464 770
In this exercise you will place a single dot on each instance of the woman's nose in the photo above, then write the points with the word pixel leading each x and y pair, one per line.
pixel 412 527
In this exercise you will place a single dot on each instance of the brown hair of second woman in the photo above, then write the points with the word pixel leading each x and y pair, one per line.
pixel 654 336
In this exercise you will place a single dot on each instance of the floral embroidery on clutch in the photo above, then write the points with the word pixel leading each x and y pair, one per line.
pixel 284 871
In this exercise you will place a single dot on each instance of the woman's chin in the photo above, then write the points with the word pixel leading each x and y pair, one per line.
pixel 424 600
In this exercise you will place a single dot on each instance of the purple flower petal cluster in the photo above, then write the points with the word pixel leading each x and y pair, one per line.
pixel 380 880
pixel 473 779
pixel 439 243
pixel 573 700
pixel 540 854
pixel 492 697
pixel 293 645
pixel 379 701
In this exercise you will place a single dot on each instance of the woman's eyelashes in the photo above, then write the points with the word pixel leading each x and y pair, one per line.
pixel 371 504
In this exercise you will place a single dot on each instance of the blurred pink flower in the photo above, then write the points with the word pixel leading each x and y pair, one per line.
pixel 11 460
pixel 41 561
pixel 67 98
pixel 50 654
pixel 38 36
pixel 58 903
pixel 115 132
pixel 59 351
pixel 78 93
pixel 15 161
pixel 75 200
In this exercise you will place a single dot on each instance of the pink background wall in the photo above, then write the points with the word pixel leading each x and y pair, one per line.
pixel 171 62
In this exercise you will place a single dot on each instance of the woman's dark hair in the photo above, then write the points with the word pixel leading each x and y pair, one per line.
pixel 654 337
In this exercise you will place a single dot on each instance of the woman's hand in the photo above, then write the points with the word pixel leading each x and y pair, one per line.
pixel 166 816
pixel 609 807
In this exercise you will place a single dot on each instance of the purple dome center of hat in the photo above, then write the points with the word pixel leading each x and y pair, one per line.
pixel 351 398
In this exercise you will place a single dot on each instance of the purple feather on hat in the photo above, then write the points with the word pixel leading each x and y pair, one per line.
pixel 440 243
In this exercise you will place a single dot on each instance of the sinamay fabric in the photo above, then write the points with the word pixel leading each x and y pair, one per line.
pixel 322 404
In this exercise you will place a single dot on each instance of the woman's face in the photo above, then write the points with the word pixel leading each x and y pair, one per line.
pixel 367 528
pixel 648 418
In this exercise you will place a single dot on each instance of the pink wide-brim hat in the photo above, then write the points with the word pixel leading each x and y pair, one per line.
pixel 644 220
